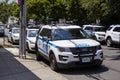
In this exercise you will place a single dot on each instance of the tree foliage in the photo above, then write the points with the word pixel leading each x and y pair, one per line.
pixel 83 11
pixel 8 9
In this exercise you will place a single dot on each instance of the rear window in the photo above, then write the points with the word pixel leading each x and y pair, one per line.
pixel 88 28
pixel 117 29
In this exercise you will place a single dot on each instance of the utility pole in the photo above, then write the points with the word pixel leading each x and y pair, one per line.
pixel 22 48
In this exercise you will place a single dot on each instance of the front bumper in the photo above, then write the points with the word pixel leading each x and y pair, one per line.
pixel 101 38
pixel 32 47
pixel 16 40
pixel 80 60
pixel 80 64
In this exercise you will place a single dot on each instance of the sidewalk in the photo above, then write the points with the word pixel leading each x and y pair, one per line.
pixel 14 68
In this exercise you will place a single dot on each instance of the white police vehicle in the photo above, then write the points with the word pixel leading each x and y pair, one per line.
pixel 67 46
pixel 31 38
pixel 13 35
pixel 97 31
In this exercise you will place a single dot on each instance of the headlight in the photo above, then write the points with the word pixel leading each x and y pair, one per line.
pixel 32 42
pixel 15 36
pixel 100 34
pixel 61 49
pixel 98 47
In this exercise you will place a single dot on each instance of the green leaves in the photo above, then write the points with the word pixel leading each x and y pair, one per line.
pixel 8 9
pixel 83 11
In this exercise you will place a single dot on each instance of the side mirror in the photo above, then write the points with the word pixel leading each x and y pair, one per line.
pixel 46 38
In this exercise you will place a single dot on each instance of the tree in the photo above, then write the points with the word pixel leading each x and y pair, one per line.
pixel 114 14
pixel 36 9
pixel 96 9
pixel 7 10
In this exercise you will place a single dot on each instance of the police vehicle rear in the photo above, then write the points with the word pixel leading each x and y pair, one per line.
pixel 31 38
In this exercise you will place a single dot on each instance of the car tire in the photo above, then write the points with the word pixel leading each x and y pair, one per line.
pixel 38 56
pixel 8 39
pixel 53 63
pixel 109 42
pixel 98 64
pixel 12 41
pixel 28 50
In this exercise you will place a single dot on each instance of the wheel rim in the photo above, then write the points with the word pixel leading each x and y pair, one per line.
pixel 28 48
pixel 53 64
pixel 108 42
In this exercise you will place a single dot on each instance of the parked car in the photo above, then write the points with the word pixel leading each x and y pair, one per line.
pixel 90 33
pixel 113 35
pixel 98 32
pixel 67 46
pixel 1 30
pixel 31 38
pixel 13 35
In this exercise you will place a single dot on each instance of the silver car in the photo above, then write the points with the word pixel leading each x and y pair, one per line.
pixel 13 35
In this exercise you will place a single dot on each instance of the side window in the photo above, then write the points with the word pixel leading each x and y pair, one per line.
pixel 117 29
pixel 109 28
pixel 46 32
pixel 88 28
pixel 10 30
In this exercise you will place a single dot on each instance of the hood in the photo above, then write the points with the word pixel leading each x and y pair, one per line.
pixel 32 39
pixel 103 33
pixel 17 34
pixel 76 43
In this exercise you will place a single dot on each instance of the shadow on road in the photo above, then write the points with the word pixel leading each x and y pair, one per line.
pixel 84 70
pixel 12 69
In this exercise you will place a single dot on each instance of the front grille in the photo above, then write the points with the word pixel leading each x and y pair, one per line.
pixel 83 50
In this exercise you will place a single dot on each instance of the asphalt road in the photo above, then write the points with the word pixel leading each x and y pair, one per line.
pixel 110 69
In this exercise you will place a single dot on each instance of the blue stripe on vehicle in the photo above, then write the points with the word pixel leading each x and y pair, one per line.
pixel 51 44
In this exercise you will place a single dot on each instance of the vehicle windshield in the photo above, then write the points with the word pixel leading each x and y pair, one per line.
pixel 32 33
pixel 65 34
pixel 99 29
pixel 16 30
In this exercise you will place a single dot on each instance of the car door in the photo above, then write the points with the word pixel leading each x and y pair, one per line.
pixel 43 41
pixel 116 34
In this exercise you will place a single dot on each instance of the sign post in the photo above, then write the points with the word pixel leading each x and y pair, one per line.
pixel 22 48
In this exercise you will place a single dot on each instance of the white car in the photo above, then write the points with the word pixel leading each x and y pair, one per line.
pixel 97 31
pixel 113 35
pixel 13 35
pixel 67 46
pixel 31 38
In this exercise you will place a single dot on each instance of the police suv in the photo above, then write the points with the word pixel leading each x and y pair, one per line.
pixel 97 31
pixel 31 38
pixel 67 46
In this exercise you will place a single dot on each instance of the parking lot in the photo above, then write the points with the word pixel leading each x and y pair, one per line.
pixel 110 69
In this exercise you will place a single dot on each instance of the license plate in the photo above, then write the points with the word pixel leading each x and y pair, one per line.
pixel 85 59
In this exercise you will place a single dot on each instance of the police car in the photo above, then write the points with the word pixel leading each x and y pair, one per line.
pixel 13 35
pixel 97 31
pixel 67 46
pixel 31 38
